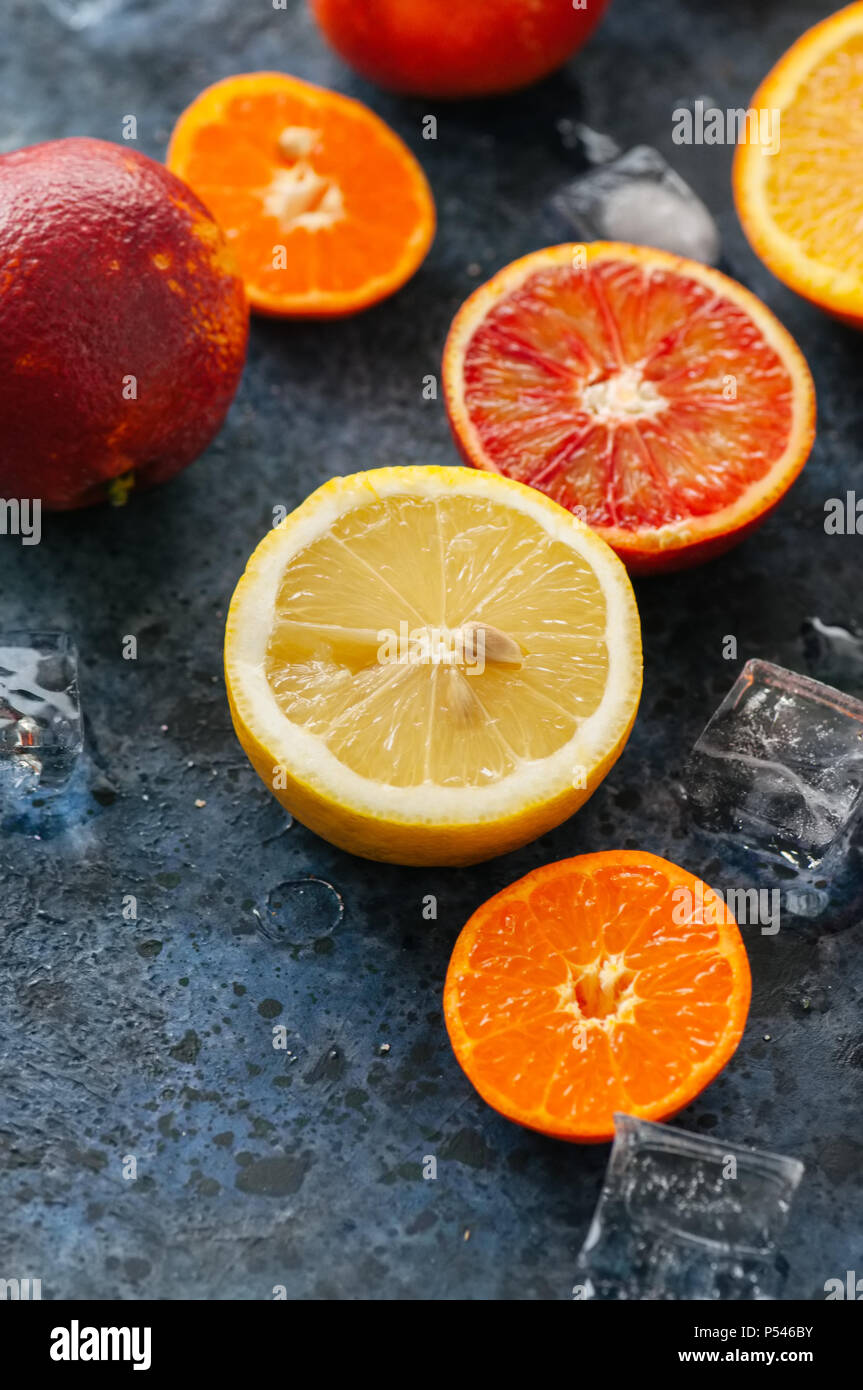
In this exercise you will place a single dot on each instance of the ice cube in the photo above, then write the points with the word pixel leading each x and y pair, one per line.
pixel 681 1216
pixel 80 14
pixel 779 767
pixel 592 146
pixel 639 198
pixel 833 653
pixel 41 731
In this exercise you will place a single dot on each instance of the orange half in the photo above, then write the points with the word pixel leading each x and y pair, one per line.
pixel 611 982
pixel 801 206
pixel 653 396
pixel 326 209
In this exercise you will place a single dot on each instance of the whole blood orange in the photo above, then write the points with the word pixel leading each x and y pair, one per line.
pixel 614 981
pixel 656 398
pixel 123 323
pixel 463 48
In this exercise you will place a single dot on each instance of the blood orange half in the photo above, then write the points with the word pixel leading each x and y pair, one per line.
pixel 654 397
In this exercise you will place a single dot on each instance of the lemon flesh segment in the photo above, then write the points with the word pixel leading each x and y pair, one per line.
pixel 366 650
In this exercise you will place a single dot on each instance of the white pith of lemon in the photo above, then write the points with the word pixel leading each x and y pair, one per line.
pixel 441 759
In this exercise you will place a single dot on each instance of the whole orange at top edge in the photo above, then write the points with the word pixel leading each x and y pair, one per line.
pixel 654 397
pixel 123 323
pixel 461 48
pixel 325 207
pixel 610 982
pixel 801 204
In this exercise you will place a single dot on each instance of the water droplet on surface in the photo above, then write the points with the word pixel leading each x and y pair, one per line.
pixel 286 825
pixel 300 911
pixel 806 901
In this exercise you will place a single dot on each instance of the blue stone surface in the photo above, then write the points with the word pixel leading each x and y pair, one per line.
pixel 152 1039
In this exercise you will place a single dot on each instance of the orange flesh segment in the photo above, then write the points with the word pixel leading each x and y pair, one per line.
pixel 317 175
pixel 539 368
pixel 587 988
pixel 813 185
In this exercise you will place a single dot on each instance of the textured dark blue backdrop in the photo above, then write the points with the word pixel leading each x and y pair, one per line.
pixel 153 1038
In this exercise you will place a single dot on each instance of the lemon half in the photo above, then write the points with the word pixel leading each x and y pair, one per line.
pixel 432 665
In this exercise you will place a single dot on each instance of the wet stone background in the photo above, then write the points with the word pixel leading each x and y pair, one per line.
pixel 153 1038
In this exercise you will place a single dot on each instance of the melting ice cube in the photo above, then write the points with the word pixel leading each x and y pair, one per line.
pixel 41 732
pixel 681 1216
pixel 833 653
pixel 780 766
pixel 591 146
pixel 639 198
